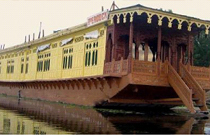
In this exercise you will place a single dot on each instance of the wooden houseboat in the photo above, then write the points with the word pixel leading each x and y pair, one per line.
pixel 134 55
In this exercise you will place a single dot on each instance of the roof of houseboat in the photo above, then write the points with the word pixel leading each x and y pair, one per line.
pixel 134 8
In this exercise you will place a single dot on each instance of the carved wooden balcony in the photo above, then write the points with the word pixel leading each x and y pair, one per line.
pixel 201 75
pixel 116 68
pixel 153 73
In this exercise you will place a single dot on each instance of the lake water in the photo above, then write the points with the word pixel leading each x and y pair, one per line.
pixel 39 117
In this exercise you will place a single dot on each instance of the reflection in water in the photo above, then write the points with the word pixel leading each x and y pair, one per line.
pixel 37 117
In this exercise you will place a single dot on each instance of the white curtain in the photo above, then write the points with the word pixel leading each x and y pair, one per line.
pixel 150 54
pixel 66 41
pixel 133 50
pixel 43 47
pixel 141 52
pixel 92 34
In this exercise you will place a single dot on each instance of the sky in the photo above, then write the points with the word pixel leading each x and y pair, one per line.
pixel 20 18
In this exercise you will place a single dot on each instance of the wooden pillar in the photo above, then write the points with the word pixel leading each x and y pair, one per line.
pixel 159 49
pixel 114 40
pixel 138 42
pixel 174 53
pixel 130 46
pixel 189 52
pixel 192 50
pixel 159 43
pixel 130 39
pixel 188 48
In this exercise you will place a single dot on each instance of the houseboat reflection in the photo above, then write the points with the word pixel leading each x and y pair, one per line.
pixel 38 117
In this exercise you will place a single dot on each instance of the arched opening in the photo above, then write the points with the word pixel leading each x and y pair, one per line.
pixel 164 51
pixel 141 49
pixel 123 47
pixel 109 48
pixel 181 51
pixel 152 52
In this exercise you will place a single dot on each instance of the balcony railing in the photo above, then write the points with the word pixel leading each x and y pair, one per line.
pixel 116 67
pixel 122 67
pixel 200 72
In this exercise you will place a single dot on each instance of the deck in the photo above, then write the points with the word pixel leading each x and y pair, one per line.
pixel 153 73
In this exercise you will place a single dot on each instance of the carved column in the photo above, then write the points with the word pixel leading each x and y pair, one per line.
pixel 192 50
pixel 114 40
pixel 159 43
pixel 159 49
pixel 174 53
pixel 189 48
pixel 130 39
pixel 130 47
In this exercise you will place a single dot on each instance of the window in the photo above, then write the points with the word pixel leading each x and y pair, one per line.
pixel 10 67
pixel 6 125
pixel 47 65
pixel 86 56
pixel 89 58
pixel 68 58
pixel 93 60
pixel 26 68
pixel 65 62
pixel 39 66
pixel 96 57
pixel 22 66
pixel 70 62
pixel 43 63
pixel 91 54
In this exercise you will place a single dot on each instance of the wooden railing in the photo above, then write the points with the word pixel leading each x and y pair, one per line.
pixel 193 84
pixel 135 66
pixel 116 67
pixel 200 72
pixel 144 67
pixel 181 88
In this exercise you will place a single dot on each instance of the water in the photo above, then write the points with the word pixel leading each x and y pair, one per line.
pixel 38 117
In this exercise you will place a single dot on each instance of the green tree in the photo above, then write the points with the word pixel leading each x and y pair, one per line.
pixel 202 50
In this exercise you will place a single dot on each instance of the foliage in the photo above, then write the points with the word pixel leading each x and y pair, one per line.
pixel 202 50
pixel 169 10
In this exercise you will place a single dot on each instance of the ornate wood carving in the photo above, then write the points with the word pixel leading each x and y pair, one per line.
pixel 181 88
pixel 144 67
pixel 116 67
pixel 193 84
pixel 152 12
pixel 143 79
pixel 200 72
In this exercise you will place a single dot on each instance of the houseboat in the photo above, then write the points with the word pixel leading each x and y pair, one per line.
pixel 133 55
